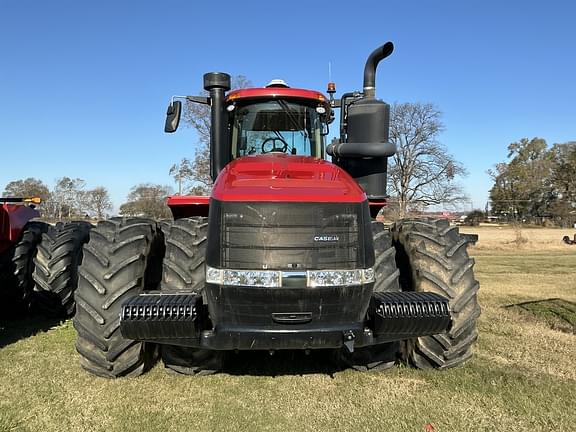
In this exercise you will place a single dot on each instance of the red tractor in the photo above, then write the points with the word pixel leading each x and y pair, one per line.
pixel 19 239
pixel 38 262
pixel 284 254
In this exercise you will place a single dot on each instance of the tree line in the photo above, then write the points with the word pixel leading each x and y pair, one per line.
pixel 537 184
pixel 70 199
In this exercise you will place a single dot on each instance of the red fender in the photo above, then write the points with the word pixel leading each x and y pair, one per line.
pixel 13 218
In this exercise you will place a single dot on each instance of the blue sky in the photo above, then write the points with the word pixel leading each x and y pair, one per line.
pixel 84 85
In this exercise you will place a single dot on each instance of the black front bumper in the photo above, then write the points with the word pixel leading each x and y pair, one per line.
pixel 181 319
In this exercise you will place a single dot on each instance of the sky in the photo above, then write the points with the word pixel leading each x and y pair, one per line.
pixel 84 86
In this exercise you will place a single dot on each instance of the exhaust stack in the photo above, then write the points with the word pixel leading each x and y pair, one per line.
pixel 364 147
pixel 374 58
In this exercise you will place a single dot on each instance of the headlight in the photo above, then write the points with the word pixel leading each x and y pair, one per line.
pixel 318 278
pixel 273 278
pixel 257 278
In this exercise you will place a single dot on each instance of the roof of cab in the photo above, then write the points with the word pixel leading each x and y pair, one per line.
pixel 276 92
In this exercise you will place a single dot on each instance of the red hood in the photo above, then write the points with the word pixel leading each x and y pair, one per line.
pixel 282 178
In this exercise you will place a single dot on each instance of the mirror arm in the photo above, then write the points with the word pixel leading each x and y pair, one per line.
pixel 204 100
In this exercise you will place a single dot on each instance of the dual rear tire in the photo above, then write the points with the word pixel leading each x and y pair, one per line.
pixel 56 268
pixel 424 255
pixel 122 259
pixel 432 256
pixel 183 271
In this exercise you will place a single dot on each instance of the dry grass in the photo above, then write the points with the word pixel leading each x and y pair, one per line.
pixel 510 238
pixel 522 378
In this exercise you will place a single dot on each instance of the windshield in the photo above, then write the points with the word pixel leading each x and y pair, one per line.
pixel 276 126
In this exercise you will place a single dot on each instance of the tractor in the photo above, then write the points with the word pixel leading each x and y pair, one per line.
pixel 286 252
pixel 20 236
pixel 38 262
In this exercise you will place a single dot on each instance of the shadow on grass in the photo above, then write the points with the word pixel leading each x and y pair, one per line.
pixel 557 313
pixel 13 330
pixel 282 362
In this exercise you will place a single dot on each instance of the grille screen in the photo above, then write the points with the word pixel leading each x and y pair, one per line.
pixel 288 236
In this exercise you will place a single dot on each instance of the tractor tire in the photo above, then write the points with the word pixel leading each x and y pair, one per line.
pixel 183 271
pixel 122 259
pixel 17 285
pixel 383 356
pixel 56 271
pixel 432 256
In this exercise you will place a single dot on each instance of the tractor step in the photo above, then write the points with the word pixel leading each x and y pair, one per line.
pixel 410 314
pixel 178 319
pixel 161 316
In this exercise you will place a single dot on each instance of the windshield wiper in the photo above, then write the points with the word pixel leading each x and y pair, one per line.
pixel 292 118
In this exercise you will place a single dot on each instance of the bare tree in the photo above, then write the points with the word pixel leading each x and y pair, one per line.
pixel 201 169
pixel 198 115
pixel 181 172
pixel 69 194
pixel 97 201
pixel 422 172
pixel 147 199
pixel 197 172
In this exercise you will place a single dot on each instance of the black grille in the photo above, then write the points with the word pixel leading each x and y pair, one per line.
pixel 296 236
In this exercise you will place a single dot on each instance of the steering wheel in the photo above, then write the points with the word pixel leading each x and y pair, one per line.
pixel 282 148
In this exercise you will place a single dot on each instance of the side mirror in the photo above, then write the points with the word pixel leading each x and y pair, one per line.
pixel 173 116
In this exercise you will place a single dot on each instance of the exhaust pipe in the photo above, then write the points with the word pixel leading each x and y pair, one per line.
pixel 364 145
pixel 374 58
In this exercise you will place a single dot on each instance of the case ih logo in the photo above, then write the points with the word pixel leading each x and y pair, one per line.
pixel 326 238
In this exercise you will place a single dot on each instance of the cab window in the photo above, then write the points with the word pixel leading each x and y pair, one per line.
pixel 276 126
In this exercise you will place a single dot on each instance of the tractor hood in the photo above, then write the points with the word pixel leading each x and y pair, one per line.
pixel 285 178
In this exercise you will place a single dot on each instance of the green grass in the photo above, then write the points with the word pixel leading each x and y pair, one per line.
pixel 557 313
pixel 523 377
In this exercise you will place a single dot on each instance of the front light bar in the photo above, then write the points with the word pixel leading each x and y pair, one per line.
pixel 273 278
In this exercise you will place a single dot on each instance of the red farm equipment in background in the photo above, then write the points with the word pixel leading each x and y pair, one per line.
pixel 20 236
pixel 38 261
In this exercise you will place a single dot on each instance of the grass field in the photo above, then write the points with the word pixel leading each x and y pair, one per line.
pixel 523 376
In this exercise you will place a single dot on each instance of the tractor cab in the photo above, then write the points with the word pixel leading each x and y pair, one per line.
pixel 277 119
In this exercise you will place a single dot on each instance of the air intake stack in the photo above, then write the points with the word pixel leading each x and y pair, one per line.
pixel 217 84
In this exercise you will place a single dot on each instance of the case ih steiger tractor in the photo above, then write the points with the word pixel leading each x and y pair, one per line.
pixel 284 254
